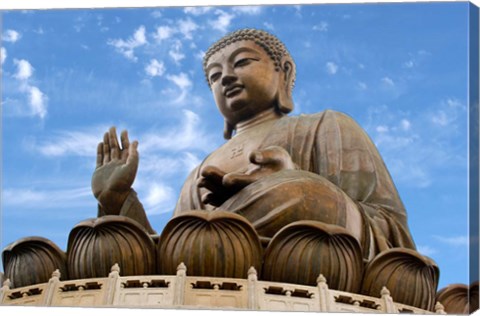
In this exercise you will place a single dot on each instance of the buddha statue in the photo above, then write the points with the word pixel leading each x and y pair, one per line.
pixel 313 188
pixel 295 197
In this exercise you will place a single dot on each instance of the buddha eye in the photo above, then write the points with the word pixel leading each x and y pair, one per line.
pixel 244 61
pixel 214 77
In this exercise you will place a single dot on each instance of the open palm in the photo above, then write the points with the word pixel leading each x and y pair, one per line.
pixel 115 170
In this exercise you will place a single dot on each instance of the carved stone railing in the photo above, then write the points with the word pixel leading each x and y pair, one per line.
pixel 182 291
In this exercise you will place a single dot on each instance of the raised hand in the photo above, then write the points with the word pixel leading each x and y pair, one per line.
pixel 223 185
pixel 115 170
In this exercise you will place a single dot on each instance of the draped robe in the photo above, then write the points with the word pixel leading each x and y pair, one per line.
pixel 337 162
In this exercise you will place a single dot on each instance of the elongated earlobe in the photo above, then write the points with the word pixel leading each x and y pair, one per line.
pixel 227 130
pixel 285 102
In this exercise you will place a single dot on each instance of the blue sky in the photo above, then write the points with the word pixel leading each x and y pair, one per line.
pixel 400 70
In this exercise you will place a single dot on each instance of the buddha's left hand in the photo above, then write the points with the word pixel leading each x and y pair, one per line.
pixel 263 162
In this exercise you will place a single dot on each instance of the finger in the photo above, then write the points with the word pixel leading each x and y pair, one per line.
pixel 238 181
pixel 114 147
pixel 212 174
pixel 133 156
pixel 212 199
pixel 106 149
pixel 125 144
pixel 273 155
pixel 217 188
pixel 99 154
pixel 256 157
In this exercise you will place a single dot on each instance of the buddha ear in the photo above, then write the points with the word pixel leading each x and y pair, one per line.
pixel 285 102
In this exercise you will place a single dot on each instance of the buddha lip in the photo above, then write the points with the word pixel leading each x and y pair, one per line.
pixel 232 90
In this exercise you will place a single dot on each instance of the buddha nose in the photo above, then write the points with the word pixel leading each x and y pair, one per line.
pixel 228 77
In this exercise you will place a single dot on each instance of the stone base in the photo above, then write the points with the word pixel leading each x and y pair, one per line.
pixel 182 291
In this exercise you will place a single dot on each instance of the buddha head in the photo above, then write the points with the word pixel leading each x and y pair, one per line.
pixel 249 72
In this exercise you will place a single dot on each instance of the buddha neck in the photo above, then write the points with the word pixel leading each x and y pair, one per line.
pixel 268 115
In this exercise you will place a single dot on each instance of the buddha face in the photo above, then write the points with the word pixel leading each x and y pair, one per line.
pixel 243 80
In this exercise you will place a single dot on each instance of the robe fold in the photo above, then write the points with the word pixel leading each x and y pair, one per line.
pixel 325 146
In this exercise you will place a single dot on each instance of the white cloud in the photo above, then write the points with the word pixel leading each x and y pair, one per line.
pixel 188 136
pixel 222 22
pixel 409 170
pixel 414 148
pixel 416 59
pixel 126 47
pixel 362 86
pixel 187 27
pixel 163 32
pixel 139 36
pixel 200 54
pixel 38 102
pixel 24 69
pixel 41 199
pixel 3 55
pixel 332 68
pixel 405 124
pixel 423 52
pixel 298 10
pixel 382 129
pixel 454 241
pixel 39 31
pixel 197 10
pixel 158 164
pixel 426 250
pixel 322 27
pixel 70 143
pixel 181 80
pixel 159 199
pixel 155 68
pixel 156 14
pixel 448 112
pixel 440 118
pixel 409 64
pixel 11 36
pixel 268 26
pixel 388 81
pixel 176 52
pixel 190 161
pixel 453 103
pixel 248 9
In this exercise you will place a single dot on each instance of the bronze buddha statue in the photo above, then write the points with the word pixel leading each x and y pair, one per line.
pixel 319 173
pixel 294 196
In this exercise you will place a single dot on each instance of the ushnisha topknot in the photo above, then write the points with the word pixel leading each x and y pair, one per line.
pixel 270 43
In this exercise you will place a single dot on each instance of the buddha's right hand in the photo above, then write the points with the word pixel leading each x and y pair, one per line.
pixel 211 179
pixel 115 171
